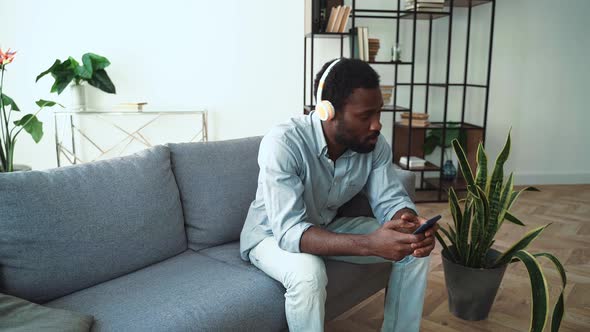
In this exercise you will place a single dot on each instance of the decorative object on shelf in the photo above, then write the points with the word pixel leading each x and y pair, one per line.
pixel 396 53
pixel 434 138
pixel 418 119
pixel 473 270
pixel 448 170
pixel 373 48
pixel 386 92
pixel 135 106
pixel 28 122
pixel 91 71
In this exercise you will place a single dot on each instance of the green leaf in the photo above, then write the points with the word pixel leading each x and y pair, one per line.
pixel 32 125
pixel 63 74
pixel 101 80
pixel 456 213
pixel 519 245
pixel 463 240
pixel 6 101
pixel 498 174
pixel 445 247
pixel 465 169
pixel 453 243
pixel 539 291
pixel 95 61
pixel 481 176
pixel 47 103
pixel 510 217
pixel 505 199
pixel 49 70
pixel 559 308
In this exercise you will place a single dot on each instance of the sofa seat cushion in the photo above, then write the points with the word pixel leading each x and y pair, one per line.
pixel 348 284
pixel 18 315
pixel 189 292
pixel 73 227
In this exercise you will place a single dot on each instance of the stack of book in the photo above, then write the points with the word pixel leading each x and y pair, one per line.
pixel 360 43
pixel 414 162
pixel 338 19
pixel 418 119
pixel 426 5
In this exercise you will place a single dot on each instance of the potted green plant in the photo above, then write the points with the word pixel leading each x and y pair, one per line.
pixel 473 269
pixel 11 130
pixel 92 71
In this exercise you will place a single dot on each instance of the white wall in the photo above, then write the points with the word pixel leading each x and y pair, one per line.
pixel 241 60
pixel 220 55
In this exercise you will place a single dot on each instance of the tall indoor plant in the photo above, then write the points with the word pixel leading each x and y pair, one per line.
pixel 473 269
pixel 92 70
pixel 10 131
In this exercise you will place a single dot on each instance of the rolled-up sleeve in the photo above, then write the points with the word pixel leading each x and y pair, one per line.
pixel 283 191
pixel 384 190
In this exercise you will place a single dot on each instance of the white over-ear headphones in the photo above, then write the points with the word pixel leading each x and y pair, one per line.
pixel 324 108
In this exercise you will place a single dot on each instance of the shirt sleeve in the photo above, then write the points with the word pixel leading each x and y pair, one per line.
pixel 283 191
pixel 384 190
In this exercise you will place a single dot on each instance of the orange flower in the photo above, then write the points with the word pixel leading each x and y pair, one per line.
pixel 6 58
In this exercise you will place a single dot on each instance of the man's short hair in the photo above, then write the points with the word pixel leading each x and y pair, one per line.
pixel 344 77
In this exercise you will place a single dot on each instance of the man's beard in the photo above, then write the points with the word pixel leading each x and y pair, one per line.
pixel 360 146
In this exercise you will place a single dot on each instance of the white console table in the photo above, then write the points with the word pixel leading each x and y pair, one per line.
pixel 100 134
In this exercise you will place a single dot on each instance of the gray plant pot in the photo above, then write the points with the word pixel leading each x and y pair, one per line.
pixel 472 291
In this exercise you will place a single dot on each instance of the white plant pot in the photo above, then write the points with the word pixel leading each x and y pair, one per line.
pixel 78 97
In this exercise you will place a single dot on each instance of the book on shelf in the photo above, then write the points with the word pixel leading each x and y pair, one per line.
pixel 344 18
pixel 414 162
pixel 415 123
pixel 333 15
pixel 425 5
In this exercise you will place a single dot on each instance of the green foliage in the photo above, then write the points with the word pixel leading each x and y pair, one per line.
pixel 92 71
pixel 475 225
pixel 9 132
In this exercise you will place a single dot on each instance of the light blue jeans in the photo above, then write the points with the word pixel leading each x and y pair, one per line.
pixel 304 277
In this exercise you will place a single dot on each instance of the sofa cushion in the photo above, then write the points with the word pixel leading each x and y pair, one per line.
pixel 348 284
pixel 189 292
pixel 217 182
pixel 18 315
pixel 69 228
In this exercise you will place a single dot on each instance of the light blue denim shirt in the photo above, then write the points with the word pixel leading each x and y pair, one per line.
pixel 299 186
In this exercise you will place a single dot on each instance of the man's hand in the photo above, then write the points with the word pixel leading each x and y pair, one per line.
pixel 424 247
pixel 388 242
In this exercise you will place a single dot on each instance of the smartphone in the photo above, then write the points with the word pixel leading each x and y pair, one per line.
pixel 427 225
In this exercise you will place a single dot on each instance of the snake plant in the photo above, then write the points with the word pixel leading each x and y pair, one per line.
pixel 487 205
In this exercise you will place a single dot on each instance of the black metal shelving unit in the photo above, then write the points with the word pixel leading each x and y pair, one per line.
pixel 408 140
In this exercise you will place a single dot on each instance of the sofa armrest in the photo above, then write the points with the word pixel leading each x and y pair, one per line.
pixel 359 205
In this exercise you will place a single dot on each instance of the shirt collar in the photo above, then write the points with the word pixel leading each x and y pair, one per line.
pixel 320 139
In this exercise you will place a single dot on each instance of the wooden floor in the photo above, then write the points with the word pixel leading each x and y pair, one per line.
pixel 567 208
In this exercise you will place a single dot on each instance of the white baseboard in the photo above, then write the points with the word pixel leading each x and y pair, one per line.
pixel 551 178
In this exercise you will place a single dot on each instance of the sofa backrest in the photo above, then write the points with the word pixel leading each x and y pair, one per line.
pixel 69 228
pixel 217 183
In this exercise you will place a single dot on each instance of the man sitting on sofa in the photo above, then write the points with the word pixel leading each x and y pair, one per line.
pixel 312 165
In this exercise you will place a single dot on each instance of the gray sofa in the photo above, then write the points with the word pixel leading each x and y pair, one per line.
pixel 149 242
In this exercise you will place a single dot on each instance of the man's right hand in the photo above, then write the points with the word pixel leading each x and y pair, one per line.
pixel 391 242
